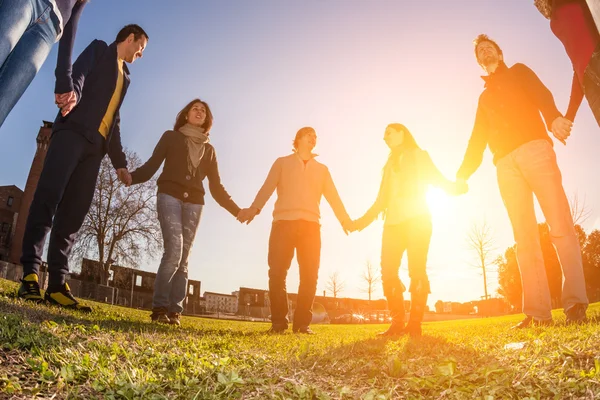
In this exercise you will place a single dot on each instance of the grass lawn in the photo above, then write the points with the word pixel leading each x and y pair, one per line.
pixel 117 353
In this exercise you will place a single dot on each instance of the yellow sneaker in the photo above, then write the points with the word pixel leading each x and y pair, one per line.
pixel 62 297
pixel 30 289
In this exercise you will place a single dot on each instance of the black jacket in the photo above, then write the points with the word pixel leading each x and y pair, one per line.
pixel 94 80
pixel 508 115
pixel 175 179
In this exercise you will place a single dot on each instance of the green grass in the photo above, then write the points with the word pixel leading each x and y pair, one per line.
pixel 117 353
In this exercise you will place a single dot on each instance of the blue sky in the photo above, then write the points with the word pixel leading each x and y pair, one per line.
pixel 347 68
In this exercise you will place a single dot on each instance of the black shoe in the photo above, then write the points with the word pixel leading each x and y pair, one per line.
pixel 413 329
pixel 576 314
pixel 530 322
pixel 174 318
pixel 276 330
pixel 395 329
pixel 61 296
pixel 304 330
pixel 30 289
pixel 159 314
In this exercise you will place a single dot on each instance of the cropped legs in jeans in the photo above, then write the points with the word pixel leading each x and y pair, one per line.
pixel 179 223
pixel 28 30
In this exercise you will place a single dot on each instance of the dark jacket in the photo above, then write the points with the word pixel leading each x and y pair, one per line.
pixel 508 115
pixel 94 80
pixel 175 179
pixel 70 11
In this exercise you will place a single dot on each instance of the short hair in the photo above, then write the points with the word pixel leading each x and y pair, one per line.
pixel 485 38
pixel 127 30
pixel 181 119
pixel 301 133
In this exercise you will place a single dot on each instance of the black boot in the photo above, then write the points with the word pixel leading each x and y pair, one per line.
pixel 396 307
pixel 417 311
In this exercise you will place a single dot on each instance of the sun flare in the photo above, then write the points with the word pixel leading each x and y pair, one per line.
pixel 437 200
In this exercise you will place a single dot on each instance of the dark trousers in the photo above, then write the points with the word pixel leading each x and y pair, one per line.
pixel 591 84
pixel 61 202
pixel 305 238
pixel 412 236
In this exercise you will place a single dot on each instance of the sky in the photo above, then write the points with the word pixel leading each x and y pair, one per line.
pixel 347 68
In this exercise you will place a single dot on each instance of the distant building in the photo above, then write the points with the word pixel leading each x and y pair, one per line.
pixel 127 286
pixel 42 141
pixel 10 202
pixel 220 302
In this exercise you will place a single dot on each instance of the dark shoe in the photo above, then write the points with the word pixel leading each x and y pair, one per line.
pixel 277 330
pixel 304 330
pixel 395 329
pixel 529 322
pixel 61 296
pixel 413 329
pixel 159 314
pixel 174 318
pixel 30 289
pixel 576 314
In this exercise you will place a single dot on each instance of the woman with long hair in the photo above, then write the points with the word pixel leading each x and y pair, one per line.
pixel 28 30
pixel 188 158
pixel 572 23
pixel 406 176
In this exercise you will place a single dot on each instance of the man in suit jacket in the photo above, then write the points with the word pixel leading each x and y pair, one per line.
pixel 85 130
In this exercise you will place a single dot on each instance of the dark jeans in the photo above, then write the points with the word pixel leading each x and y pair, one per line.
pixel 179 223
pixel 591 84
pixel 61 201
pixel 305 238
pixel 412 236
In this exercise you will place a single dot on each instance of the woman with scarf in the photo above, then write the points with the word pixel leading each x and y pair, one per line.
pixel 407 227
pixel 572 23
pixel 189 158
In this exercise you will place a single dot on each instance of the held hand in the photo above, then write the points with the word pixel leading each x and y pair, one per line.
pixel 66 102
pixel 457 188
pixel 246 215
pixel 348 226
pixel 561 129
pixel 124 176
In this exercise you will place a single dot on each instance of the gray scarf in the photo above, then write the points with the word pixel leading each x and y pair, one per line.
pixel 195 139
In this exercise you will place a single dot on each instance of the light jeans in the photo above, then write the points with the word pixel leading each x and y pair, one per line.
pixel 530 170
pixel 28 30
pixel 179 222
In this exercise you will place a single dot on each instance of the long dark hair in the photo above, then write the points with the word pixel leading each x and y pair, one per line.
pixel 181 119
pixel 409 165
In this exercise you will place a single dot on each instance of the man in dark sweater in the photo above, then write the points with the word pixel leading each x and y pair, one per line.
pixel 79 142
pixel 508 121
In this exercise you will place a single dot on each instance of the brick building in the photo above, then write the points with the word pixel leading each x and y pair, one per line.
pixel 126 286
pixel 10 201
pixel 43 140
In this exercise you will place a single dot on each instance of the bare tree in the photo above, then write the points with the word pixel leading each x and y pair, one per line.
pixel 371 278
pixel 480 239
pixel 579 210
pixel 335 285
pixel 122 225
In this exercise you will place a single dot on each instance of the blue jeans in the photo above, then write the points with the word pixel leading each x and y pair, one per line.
pixel 179 222
pixel 28 29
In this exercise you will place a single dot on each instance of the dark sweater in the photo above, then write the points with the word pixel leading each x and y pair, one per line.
pixel 70 11
pixel 95 77
pixel 175 179
pixel 508 115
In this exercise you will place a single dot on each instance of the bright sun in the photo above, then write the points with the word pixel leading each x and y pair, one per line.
pixel 437 200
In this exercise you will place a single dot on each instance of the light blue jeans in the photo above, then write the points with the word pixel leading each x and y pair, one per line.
pixel 531 170
pixel 179 222
pixel 28 29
